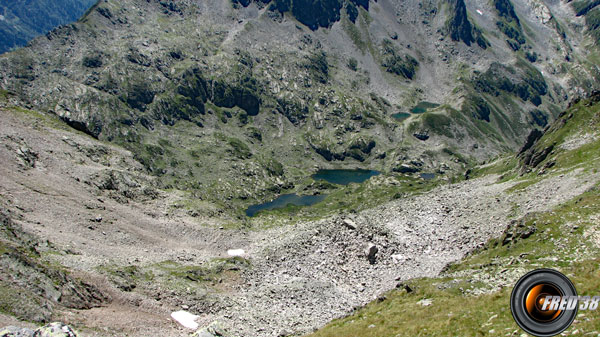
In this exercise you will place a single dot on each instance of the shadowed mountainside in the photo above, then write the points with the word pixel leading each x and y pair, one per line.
pixel 21 21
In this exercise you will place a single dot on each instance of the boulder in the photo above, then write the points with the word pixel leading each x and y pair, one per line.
pixel 371 252
pixel 203 333
pixel 213 330
pixel 349 223
pixel 56 329
pixel 27 156
pixel 425 302
pixel 421 135
pixel 518 230
pixel 13 331
pixel 404 168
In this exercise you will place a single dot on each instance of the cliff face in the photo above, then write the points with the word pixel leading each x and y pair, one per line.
pixel 313 14
pixel 460 28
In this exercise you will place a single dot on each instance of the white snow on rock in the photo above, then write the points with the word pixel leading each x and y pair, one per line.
pixel 236 252
pixel 186 319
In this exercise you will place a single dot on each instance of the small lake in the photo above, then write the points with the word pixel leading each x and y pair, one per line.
pixel 423 106
pixel 284 200
pixel 344 177
pixel 401 116
pixel 428 176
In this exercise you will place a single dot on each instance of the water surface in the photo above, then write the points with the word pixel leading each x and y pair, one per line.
pixel 401 116
pixel 284 200
pixel 423 106
pixel 344 177
pixel 428 176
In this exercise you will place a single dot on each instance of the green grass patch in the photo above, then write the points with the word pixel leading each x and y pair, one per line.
pixel 176 276
pixel 504 166
pixel 355 35
pixel 438 123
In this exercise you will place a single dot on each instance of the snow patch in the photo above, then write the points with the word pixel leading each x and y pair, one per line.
pixel 236 252
pixel 186 319
pixel 399 258
pixel 425 302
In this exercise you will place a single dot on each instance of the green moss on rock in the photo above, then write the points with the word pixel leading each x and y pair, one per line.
pixel 476 107
pixel 405 66
pixel 509 24
pixel 524 81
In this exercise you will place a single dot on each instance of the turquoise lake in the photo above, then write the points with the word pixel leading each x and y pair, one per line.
pixel 401 115
pixel 339 177
pixel 422 107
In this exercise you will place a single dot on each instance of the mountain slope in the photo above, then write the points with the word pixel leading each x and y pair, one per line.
pixel 83 208
pixel 134 139
pixel 262 84
pixel 21 21
pixel 471 297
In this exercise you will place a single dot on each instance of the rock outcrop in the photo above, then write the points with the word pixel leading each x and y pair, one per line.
pixel 55 329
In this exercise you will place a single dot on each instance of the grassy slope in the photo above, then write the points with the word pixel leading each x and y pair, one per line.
pixel 464 302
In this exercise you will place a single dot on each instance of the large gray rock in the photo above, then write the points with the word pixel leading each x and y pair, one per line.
pixel 203 333
pixel 13 331
pixel 56 329
pixel 213 330
pixel 371 252
pixel 349 223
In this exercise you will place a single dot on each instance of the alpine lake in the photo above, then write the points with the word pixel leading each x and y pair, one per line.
pixel 338 177
pixel 420 108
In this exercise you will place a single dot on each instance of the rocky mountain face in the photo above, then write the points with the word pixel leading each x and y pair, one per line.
pixel 201 91
pixel 21 21
pixel 133 140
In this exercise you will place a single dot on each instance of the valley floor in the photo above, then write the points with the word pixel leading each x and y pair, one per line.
pixel 104 222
